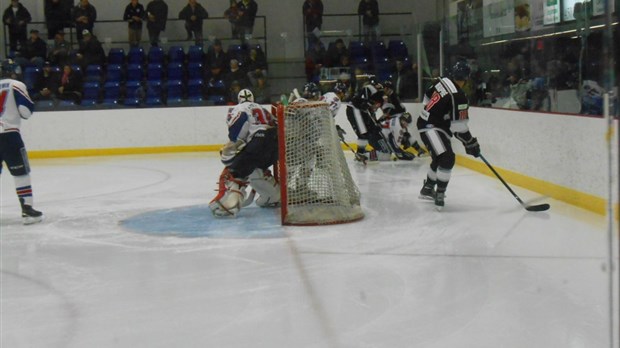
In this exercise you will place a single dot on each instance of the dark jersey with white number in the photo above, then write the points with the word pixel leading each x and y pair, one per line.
pixel 444 103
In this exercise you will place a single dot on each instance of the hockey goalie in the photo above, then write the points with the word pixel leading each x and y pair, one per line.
pixel 251 150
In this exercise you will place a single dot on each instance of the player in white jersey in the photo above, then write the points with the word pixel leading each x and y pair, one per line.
pixel 15 105
pixel 251 150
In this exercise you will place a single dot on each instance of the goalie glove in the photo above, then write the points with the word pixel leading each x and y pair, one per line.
pixel 472 147
pixel 230 150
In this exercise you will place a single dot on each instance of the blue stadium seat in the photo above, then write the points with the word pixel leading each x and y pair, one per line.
pixel 397 49
pixel 195 70
pixel 358 49
pixel 134 72
pixel 176 54
pixel 136 55
pixel 154 72
pixel 175 71
pixel 153 93
pixel 216 87
pixel 111 92
pixel 114 73
pixel 378 51
pixel 195 89
pixel 31 75
pixel 116 56
pixel 174 92
pixel 91 92
pixel 217 99
pixel 133 93
pixel 93 73
pixel 236 52
pixel 156 55
pixel 195 54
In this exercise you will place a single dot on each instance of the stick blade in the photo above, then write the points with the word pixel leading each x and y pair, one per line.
pixel 539 207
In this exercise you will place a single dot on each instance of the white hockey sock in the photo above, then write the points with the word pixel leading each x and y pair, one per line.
pixel 23 188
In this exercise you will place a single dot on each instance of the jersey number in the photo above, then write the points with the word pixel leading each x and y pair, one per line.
pixel 260 116
pixel 3 95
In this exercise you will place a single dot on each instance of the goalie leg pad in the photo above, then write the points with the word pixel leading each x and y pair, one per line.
pixel 267 188
pixel 230 197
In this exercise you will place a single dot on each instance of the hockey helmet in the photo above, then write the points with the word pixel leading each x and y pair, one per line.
pixel 461 70
pixel 245 95
pixel 371 94
pixel 340 87
pixel 311 91
pixel 388 84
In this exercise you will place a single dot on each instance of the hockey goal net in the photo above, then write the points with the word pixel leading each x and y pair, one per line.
pixel 316 184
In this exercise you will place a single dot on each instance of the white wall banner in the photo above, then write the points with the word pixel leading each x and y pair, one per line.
pixel 499 17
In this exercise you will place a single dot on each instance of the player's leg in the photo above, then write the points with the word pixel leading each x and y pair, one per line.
pixel 230 196
pixel 359 127
pixel 443 159
pixel 16 158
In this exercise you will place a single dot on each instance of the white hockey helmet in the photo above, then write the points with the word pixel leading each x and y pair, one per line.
pixel 245 95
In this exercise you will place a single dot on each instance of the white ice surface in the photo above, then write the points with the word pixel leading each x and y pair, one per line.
pixel 481 273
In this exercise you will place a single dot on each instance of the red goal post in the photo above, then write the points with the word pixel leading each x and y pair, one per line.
pixel 316 185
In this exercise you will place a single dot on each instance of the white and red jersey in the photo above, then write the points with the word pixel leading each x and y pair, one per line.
pixel 245 119
pixel 15 104
pixel 333 101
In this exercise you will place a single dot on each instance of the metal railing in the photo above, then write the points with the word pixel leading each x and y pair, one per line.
pixel 116 33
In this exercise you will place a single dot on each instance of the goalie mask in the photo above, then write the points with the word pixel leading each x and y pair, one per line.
pixel 245 95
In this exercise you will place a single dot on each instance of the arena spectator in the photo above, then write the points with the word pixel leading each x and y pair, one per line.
pixel 194 14
pixel 57 16
pixel 70 85
pixel 84 17
pixel 235 73
pixel 16 17
pixel 216 61
pixel 91 51
pixel 256 66
pixel 405 81
pixel 33 52
pixel 247 16
pixel 134 15
pixel 47 84
pixel 369 10
pixel 336 52
pixel 157 15
pixel 261 91
pixel 313 19
pixel 59 53
pixel 232 13
pixel 315 60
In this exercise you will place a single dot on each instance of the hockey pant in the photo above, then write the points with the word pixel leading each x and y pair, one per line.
pixel 367 130
pixel 442 155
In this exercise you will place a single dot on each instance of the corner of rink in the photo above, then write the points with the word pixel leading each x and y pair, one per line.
pixel 198 222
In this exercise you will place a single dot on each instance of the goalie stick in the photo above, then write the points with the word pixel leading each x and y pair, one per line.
pixel 538 207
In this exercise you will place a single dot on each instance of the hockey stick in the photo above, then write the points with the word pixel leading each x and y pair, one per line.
pixel 538 207
pixel 358 156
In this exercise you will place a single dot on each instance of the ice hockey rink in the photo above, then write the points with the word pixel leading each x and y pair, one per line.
pixel 129 256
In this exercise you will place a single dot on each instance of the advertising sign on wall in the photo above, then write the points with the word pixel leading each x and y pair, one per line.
pixel 552 12
pixel 498 17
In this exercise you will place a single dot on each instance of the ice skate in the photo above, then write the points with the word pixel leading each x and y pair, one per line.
pixel 427 192
pixel 439 200
pixel 30 215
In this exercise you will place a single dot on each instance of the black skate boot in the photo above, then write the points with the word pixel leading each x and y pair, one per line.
pixel 439 203
pixel 29 215
pixel 428 191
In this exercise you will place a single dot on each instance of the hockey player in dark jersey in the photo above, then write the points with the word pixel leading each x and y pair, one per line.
pixel 445 113
pixel 361 115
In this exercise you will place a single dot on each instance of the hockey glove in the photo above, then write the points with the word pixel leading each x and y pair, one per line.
pixel 472 147
pixel 340 131
pixel 230 150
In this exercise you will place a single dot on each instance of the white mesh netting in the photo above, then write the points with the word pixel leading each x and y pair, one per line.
pixel 319 187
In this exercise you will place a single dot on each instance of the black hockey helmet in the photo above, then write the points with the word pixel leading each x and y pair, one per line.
pixel 461 70
pixel 371 94
pixel 340 87
pixel 311 91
